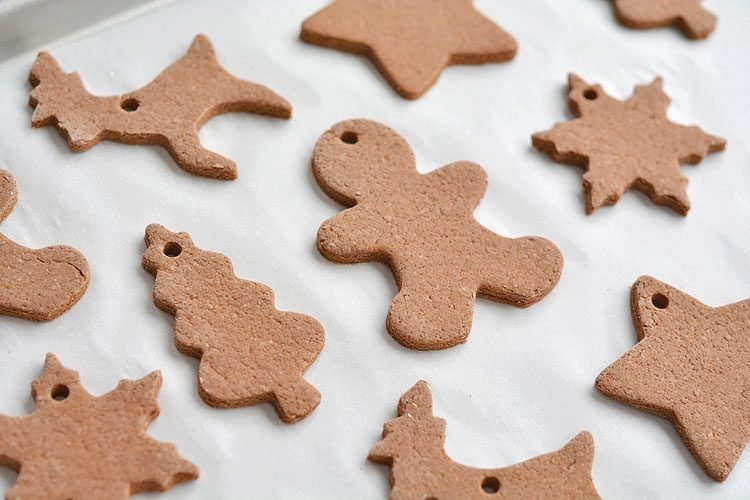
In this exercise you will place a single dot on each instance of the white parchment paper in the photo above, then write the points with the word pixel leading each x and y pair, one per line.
pixel 523 384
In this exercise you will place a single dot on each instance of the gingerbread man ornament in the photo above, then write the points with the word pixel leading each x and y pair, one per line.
pixel 422 227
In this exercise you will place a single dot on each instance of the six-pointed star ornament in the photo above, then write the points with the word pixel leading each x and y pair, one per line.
pixel 78 446
pixel 626 144
pixel 692 366
pixel 410 41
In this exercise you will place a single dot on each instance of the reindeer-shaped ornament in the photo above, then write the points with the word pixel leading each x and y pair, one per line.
pixel 167 112
pixel 37 284
pixel 413 447
pixel 249 351
pixel 422 227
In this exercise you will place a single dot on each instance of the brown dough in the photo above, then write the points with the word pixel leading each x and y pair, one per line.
pixel 410 41
pixel 692 366
pixel 40 284
pixel 77 446
pixel 695 21
pixel 167 112
pixel 250 352
pixel 422 227
pixel 413 447
pixel 626 144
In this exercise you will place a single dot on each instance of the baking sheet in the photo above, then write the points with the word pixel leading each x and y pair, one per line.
pixel 523 384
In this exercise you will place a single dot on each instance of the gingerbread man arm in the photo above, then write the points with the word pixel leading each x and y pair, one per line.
pixel 349 238
pixel 537 266
pixel 462 185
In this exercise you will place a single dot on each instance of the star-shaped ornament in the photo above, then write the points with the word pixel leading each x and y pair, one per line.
pixel 410 41
pixel 692 366
pixel 626 144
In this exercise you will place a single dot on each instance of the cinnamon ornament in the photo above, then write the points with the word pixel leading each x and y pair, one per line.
pixel 688 15
pixel 167 112
pixel 413 447
pixel 410 41
pixel 691 365
pixel 249 351
pixel 422 227
pixel 78 446
pixel 626 144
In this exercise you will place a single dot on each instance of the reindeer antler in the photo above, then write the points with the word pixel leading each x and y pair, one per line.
pixel 166 112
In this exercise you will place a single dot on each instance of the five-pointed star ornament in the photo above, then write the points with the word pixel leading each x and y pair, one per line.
pixel 692 366
pixel 626 144
pixel 410 41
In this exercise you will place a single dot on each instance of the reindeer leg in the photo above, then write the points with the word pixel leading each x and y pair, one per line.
pixel 191 156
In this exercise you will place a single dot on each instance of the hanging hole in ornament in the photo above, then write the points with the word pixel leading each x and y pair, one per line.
pixel 590 94
pixel 172 249
pixel 660 301
pixel 490 485
pixel 349 137
pixel 60 392
pixel 129 104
